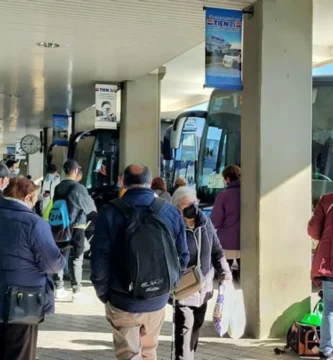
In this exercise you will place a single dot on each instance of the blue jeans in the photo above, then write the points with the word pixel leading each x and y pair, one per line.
pixel 326 332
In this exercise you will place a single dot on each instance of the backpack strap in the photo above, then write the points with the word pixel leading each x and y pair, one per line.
pixel 41 186
pixel 157 205
pixel 125 209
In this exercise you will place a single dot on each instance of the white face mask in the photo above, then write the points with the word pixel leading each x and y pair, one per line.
pixel 16 171
pixel 50 177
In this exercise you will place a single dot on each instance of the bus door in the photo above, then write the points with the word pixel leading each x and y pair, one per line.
pixel 97 151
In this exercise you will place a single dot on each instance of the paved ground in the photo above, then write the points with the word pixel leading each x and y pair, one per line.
pixel 80 331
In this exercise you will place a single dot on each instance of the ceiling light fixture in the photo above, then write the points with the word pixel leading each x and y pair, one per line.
pixel 16 96
pixel 48 45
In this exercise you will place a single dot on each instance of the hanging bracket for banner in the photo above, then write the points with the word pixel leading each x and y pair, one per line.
pixel 249 11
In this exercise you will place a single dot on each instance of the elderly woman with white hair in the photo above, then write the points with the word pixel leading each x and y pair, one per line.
pixel 190 312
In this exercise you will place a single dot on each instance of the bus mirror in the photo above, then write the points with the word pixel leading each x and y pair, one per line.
pixel 176 132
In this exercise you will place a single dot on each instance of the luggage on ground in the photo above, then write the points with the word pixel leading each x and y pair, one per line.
pixel 303 337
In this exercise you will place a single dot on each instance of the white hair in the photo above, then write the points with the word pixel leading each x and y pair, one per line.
pixel 183 191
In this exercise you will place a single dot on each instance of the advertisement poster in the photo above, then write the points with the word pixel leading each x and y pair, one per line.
pixel 60 129
pixel 19 153
pixel 224 49
pixel 106 106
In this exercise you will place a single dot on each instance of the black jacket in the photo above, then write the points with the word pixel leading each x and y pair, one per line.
pixel 212 257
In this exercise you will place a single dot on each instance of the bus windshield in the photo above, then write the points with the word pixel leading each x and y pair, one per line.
pixel 221 145
pixel 322 137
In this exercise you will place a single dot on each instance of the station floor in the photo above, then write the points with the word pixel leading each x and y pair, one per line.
pixel 80 331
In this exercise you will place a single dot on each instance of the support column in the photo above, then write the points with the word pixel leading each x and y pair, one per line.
pixel 140 122
pixel 276 164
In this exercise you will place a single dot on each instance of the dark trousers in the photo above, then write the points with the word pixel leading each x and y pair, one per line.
pixel 235 273
pixel 66 252
pixel 75 261
pixel 188 322
pixel 18 342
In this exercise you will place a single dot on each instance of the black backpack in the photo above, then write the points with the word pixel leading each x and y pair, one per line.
pixel 146 258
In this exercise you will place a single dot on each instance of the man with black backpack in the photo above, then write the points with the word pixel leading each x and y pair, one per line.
pixel 138 254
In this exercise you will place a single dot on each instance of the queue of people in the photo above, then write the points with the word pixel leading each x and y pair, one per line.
pixel 32 263
pixel 188 237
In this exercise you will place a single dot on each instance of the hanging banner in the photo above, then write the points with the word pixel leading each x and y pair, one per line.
pixel 10 150
pixel 106 106
pixel 60 130
pixel 224 49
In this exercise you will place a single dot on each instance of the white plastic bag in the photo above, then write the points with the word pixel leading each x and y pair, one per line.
pixel 223 308
pixel 237 321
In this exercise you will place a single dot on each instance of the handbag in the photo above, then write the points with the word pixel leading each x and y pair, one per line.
pixel 24 304
pixel 192 280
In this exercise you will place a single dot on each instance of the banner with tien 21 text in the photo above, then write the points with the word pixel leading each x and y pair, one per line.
pixel 106 106
pixel 224 49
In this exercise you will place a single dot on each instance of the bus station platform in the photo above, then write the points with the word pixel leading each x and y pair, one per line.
pixel 80 331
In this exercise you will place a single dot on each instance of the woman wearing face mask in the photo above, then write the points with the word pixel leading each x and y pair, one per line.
pixel 190 312
pixel 47 186
pixel 28 254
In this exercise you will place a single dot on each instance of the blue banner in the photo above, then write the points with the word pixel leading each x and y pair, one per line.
pixel 60 130
pixel 224 49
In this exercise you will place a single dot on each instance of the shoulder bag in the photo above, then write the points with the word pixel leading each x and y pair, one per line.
pixel 23 304
pixel 193 280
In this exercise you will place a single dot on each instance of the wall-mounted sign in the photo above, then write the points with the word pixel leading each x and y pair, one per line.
pixel 224 49
pixel 61 130
pixel 10 150
pixel 106 106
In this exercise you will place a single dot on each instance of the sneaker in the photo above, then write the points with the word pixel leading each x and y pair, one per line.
pixel 77 293
pixel 323 356
pixel 61 293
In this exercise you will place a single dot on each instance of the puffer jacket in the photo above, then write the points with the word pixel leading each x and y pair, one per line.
pixel 320 228
pixel 212 257
pixel 28 252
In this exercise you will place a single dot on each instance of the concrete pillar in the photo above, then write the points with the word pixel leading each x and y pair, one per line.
pixel 140 122
pixel 276 164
